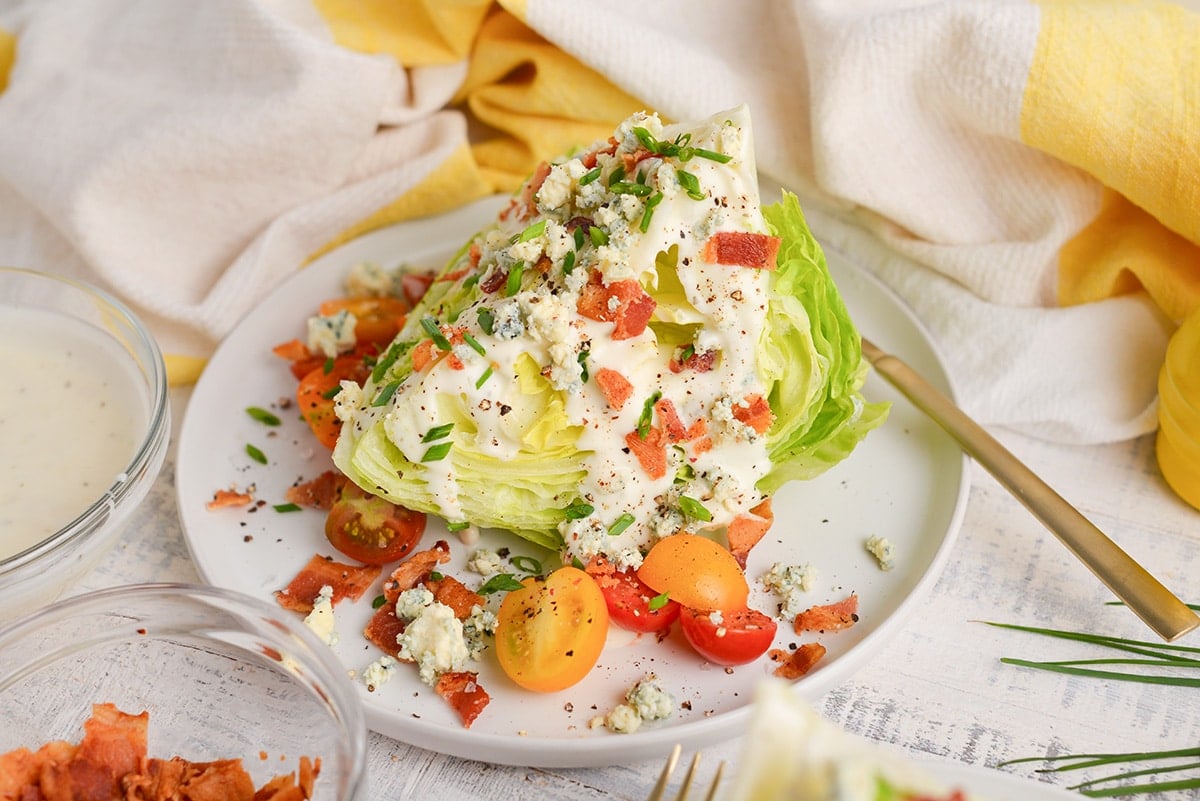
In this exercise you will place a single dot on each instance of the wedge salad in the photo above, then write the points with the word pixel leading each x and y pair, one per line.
pixel 621 369
pixel 635 349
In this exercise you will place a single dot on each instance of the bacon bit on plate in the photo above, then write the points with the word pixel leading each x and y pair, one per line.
pixel 454 594
pixel 794 664
pixel 623 303
pixel 319 493
pixel 744 531
pixel 225 498
pixel 462 691
pixel 614 386
pixel 415 569
pixel 384 628
pixel 830 617
pixel 742 248
pixel 111 762
pixel 651 452
pixel 755 412
pixel 347 581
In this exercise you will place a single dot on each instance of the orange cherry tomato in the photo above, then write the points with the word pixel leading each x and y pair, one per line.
pixel 550 632
pixel 370 529
pixel 316 392
pixel 377 319
pixel 696 572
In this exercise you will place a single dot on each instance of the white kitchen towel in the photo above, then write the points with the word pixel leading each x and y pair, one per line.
pixel 190 155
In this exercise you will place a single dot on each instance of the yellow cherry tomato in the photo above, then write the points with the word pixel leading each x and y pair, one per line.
pixel 550 632
pixel 697 572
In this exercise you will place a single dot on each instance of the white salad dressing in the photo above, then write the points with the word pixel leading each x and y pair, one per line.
pixel 70 419
pixel 538 330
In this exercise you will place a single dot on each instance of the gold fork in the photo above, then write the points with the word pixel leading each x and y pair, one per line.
pixel 660 789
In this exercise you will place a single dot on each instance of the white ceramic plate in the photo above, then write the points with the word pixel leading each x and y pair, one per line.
pixel 994 785
pixel 906 482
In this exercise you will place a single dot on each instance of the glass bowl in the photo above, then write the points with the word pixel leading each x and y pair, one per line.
pixel 84 425
pixel 221 676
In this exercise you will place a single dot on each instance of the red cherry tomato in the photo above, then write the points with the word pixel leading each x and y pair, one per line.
pixel 741 636
pixel 372 530
pixel 631 603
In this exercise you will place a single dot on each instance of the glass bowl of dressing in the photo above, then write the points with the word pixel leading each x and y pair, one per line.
pixel 202 674
pixel 84 425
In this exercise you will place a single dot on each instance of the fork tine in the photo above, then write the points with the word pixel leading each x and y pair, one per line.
pixel 686 787
pixel 660 788
pixel 716 780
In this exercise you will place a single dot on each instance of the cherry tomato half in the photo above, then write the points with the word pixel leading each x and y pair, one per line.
pixel 316 391
pixel 695 571
pixel 741 636
pixel 372 530
pixel 377 320
pixel 550 632
pixel 631 604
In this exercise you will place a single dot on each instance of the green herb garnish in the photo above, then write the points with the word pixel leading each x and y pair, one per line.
pixel 501 582
pixel 437 452
pixel 579 510
pixel 628 188
pixel 527 564
pixel 690 184
pixel 620 524
pixel 598 235
pixel 658 602
pixel 483 378
pixel 435 333
pixel 694 509
pixel 284 508
pixel 263 416
pixel 332 392
pixel 512 284
pixel 651 203
pixel 487 321
pixel 438 432
pixel 643 424
pixel 590 176
pixel 386 393
pixel 474 344
pixel 533 231
pixel 256 454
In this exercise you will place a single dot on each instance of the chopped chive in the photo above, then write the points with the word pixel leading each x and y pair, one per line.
pixel 629 188
pixel 437 452
pixel 435 333
pixel 577 563
pixel 332 392
pixel 378 602
pixel 286 507
pixel 568 262
pixel 577 511
pixel 483 378
pixel 712 155
pixel 501 582
pixel 385 394
pixel 474 343
pixel 263 416
pixel 583 368
pixel 455 527
pixel 527 564
pixel 385 364
pixel 589 176
pixel 598 236
pixel 616 176
pixel 658 601
pixel 435 575
pixel 438 432
pixel 327 367
pixel 643 424
pixel 470 281
pixel 578 234
pixel 533 231
pixel 641 177
pixel 690 184
pixel 651 203
pixel 693 508
pixel 487 321
pixel 620 524
pixel 647 139
pixel 256 454
pixel 512 285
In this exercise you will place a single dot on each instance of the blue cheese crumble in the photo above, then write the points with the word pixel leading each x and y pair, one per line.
pixel 645 701
pixel 789 583
pixel 883 551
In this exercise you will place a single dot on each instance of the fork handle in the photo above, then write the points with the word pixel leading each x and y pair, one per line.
pixel 1157 606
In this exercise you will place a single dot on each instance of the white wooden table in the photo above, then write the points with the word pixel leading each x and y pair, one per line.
pixel 938 688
